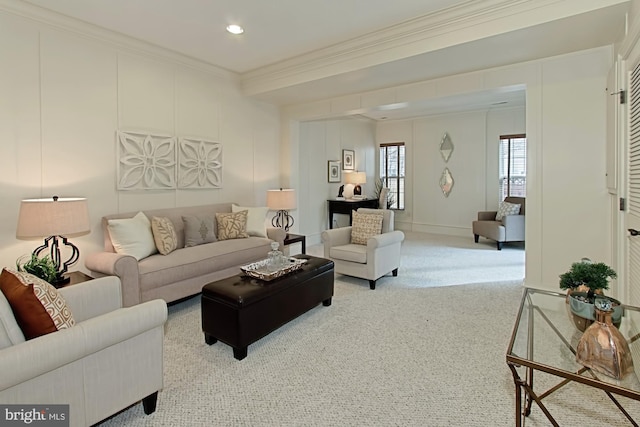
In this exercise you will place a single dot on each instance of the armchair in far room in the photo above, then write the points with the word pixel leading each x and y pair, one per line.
pixel 365 253
pixel 504 225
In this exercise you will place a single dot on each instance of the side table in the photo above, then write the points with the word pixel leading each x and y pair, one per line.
pixel 295 238
pixel 76 277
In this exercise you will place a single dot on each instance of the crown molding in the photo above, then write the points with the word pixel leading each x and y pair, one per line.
pixel 468 21
pixel 119 41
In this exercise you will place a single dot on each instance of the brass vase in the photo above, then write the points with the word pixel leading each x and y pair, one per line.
pixel 602 346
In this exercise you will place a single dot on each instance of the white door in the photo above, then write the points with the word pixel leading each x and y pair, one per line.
pixel 631 293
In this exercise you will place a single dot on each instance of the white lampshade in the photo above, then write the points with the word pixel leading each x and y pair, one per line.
pixel 282 199
pixel 356 178
pixel 53 217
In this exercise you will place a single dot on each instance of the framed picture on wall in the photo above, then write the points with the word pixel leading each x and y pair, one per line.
pixel 348 160
pixel 333 172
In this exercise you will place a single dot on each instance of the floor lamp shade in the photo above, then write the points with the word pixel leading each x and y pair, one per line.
pixel 282 201
pixel 54 218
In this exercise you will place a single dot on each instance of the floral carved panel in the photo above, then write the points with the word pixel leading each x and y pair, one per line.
pixel 199 164
pixel 145 161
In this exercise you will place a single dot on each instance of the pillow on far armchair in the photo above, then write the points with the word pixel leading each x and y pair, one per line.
pixel 364 226
pixel 507 208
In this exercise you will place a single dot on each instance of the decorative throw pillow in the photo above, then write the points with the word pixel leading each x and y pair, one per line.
pixel 364 226
pixel 255 219
pixel 37 306
pixel 164 234
pixel 232 225
pixel 198 230
pixel 132 236
pixel 507 208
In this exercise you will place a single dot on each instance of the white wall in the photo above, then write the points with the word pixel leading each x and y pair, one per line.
pixel 324 141
pixel 473 165
pixel 64 95
pixel 567 202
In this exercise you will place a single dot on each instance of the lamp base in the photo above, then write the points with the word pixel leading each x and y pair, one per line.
pixel 54 252
pixel 282 219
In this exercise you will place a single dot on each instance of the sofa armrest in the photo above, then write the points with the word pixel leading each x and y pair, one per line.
pixel 277 234
pixel 28 360
pixel 385 239
pixel 335 237
pixel 487 215
pixel 93 298
pixel 123 266
pixel 513 227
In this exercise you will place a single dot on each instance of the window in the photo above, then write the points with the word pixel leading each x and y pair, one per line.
pixel 392 171
pixel 513 166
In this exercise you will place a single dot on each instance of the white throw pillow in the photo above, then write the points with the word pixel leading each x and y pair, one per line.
pixel 133 236
pixel 507 208
pixel 255 219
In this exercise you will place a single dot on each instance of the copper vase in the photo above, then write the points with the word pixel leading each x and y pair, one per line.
pixel 602 346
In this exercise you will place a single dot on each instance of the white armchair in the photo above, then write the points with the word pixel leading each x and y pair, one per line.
pixel 380 256
pixel 111 358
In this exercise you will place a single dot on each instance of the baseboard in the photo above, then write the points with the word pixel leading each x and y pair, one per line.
pixel 434 229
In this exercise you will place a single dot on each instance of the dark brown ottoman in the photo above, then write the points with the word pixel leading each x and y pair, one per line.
pixel 240 310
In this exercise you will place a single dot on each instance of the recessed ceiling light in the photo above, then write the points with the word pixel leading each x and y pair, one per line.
pixel 235 29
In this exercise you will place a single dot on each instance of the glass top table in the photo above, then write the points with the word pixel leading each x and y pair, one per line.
pixel 545 338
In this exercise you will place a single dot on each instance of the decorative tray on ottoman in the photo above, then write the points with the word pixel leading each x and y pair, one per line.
pixel 259 269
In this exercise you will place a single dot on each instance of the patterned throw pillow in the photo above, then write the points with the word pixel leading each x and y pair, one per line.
pixel 198 230
pixel 507 208
pixel 37 306
pixel 164 234
pixel 364 226
pixel 232 225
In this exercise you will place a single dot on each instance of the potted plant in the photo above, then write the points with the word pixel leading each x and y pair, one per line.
pixel 584 281
pixel 43 268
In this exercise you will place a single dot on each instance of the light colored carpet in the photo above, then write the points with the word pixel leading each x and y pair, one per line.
pixel 414 352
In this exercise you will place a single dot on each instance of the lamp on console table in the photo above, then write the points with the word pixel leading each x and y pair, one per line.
pixel 282 201
pixel 55 219
pixel 357 179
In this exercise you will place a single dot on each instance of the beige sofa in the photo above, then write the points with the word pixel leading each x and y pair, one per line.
pixel 184 271
pixel 110 359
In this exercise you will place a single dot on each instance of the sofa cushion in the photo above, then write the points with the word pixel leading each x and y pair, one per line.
pixel 132 236
pixel 507 208
pixel 38 307
pixel 351 253
pixel 198 230
pixel 196 261
pixel 164 235
pixel 232 225
pixel 255 219
pixel 365 226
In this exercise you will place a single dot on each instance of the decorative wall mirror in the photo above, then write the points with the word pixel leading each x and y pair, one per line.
pixel 446 182
pixel 446 147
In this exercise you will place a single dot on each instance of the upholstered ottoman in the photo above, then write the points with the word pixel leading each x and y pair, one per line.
pixel 240 310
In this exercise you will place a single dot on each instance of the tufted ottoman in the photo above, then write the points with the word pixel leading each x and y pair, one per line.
pixel 240 310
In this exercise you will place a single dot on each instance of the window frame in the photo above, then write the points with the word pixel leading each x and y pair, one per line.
pixel 398 192
pixel 508 173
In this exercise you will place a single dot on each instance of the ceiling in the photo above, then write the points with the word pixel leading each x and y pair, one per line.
pixel 365 42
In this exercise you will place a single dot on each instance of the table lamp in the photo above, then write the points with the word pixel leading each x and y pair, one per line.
pixel 54 218
pixel 356 178
pixel 282 201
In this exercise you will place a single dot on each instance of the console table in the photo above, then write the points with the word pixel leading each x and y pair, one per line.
pixel 544 339
pixel 347 206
